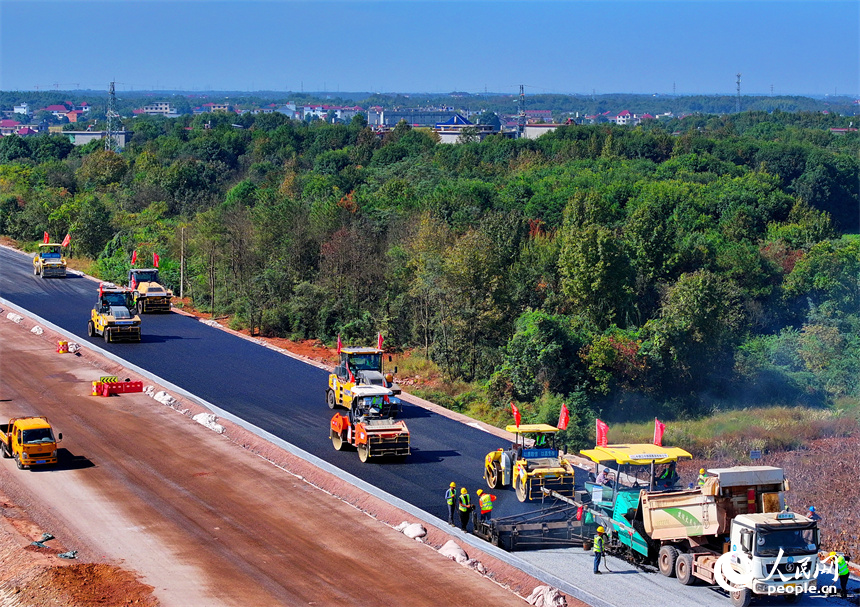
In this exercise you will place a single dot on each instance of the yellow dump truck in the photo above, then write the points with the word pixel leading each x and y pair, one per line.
pixel 148 294
pixel 530 468
pixel 30 440
pixel 49 261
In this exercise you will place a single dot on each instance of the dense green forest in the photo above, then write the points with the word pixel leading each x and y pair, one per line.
pixel 627 271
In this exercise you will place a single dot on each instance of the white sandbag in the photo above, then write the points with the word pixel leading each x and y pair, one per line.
pixel 210 421
pixel 414 531
pixel 453 551
pixel 37 330
pixel 15 317
pixel 164 398
pixel 546 596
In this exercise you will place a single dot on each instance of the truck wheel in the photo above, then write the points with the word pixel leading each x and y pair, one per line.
pixel 336 441
pixel 791 598
pixel 91 329
pixel 363 453
pixel 106 335
pixel 741 598
pixel 522 493
pixel 4 450
pixel 18 463
pixel 330 399
pixel 666 560
pixel 684 569
pixel 494 475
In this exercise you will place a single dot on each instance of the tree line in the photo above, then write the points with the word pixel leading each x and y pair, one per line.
pixel 626 271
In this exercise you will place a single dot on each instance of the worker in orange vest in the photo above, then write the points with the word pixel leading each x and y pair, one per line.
pixel 486 502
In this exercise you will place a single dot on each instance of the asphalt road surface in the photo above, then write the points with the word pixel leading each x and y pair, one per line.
pixel 286 397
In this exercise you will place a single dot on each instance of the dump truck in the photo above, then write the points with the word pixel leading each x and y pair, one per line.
pixel 148 294
pixel 49 261
pixel 733 529
pixel 30 440
pixel 533 468
pixel 356 367
pixel 111 316
pixel 369 426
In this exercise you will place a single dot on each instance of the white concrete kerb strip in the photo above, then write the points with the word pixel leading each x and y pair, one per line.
pixel 426 517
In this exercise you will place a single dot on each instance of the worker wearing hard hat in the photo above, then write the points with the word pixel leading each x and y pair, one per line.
pixel 812 514
pixel 450 499
pixel 843 571
pixel 485 500
pixel 465 506
pixel 702 477
pixel 599 548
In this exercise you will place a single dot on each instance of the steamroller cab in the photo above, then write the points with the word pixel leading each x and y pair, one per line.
pixel 148 294
pixel 49 261
pixel 360 367
pixel 112 317
pixel 533 463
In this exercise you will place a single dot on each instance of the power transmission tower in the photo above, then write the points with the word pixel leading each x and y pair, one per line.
pixel 738 104
pixel 112 122
pixel 521 113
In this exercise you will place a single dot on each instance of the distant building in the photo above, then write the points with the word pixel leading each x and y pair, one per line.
pixel 160 108
pixel 533 131
pixel 377 116
pixel 452 130
pixel 22 108
pixel 84 137
pixel 8 127
pixel 842 131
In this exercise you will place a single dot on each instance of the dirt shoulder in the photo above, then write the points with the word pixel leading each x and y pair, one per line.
pixel 159 501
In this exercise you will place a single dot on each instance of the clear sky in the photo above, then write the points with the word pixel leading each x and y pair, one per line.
pixel 607 46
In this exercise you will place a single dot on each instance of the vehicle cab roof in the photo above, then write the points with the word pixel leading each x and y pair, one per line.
pixel 361 351
pixel 368 390
pixel 526 428
pixel 30 423
pixel 638 454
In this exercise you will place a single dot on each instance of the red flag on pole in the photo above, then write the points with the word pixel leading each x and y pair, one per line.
pixel 155 259
pixel 339 345
pixel 133 282
pixel 379 341
pixel 516 413
pixel 46 239
pixel 134 257
pixel 563 417
pixel 67 240
pixel 602 434
pixel 659 429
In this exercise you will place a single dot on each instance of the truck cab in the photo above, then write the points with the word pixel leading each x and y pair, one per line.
pixel 49 261
pixel 30 441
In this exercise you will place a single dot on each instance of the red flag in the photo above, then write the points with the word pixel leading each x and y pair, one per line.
pixel 563 417
pixel 339 345
pixel 46 239
pixel 379 341
pixel 659 429
pixel 155 259
pixel 67 240
pixel 516 413
pixel 602 434
pixel 133 282
pixel 134 257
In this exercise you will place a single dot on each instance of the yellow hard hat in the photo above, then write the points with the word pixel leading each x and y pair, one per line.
pixel 600 530
pixel 453 484
pixel 701 470
pixel 480 491
pixel 832 554
pixel 463 490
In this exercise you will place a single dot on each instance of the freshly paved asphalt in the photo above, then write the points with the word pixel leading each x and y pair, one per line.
pixel 277 393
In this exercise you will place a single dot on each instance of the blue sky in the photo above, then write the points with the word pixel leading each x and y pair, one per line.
pixel 607 46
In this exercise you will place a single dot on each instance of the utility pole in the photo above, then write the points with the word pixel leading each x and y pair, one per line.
pixel 738 104
pixel 521 114
pixel 182 263
pixel 112 121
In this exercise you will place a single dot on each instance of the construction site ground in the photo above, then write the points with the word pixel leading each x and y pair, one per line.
pixel 165 511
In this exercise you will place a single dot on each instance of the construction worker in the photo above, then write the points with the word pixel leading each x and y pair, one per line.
pixel 485 500
pixel 844 572
pixel 702 477
pixel 599 547
pixel 465 505
pixel 813 515
pixel 450 498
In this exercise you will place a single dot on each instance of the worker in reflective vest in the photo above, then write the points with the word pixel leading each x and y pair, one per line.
pixel 703 477
pixel 844 573
pixel 485 500
pixel 598 548
pixel 465 505
pixel 450 497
